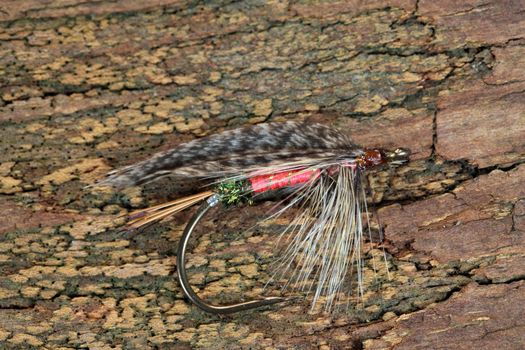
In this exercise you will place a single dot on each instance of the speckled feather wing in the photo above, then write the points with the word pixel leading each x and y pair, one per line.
pixel 239 151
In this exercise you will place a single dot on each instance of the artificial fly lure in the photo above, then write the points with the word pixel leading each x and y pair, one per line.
pixel 319 168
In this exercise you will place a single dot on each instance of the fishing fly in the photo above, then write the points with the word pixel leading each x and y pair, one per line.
pixel 319 169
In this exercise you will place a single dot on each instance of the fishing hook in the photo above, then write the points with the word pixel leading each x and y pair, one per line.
pixel 183 277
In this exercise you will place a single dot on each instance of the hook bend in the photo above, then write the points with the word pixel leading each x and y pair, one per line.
pixel 183 277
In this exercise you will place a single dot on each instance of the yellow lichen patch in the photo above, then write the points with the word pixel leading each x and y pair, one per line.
pixel 186 335
pixel 389 292
pixel 134 195
pixel 172 322
pixel 212 93
pixel 316 325
pixel 65 312
pixel 199 57
pixel 249 271
pixel 110 302
pixel 175 233
pixel 215 77
pixel 388 316
pixel 6 246
pixel 159 128
pixel 124 255
pixel 37 271
pixel 22 338
pixel 48 294
pixel 217 274
pixel 79 301
pixel 407 267
pixel 439 75
pixel 159 76
pixel 107 145
pixel 216 107
pixel 395 337
pixel 112 319
pixel 180 308
pixel 311 107
pixel 86 171
pixel 42 72
pixel 68 104
pixel 91 226
pixel 330 66
pixel 57 285
pixel 34 127
pixel 407 77
pixel 231 283
pixel 25 240
pixel 20 92
pixel 196 261
pixel 141 259
pixel 252 339
pixel 70 256
pixel 189 125
pixel 128 317
pixel 242 259
pixel 114 244
pixel 9 185
pixel 7 293
pixel 117 86
pixel 262 108
pixel 256 239
pixel 233 330
pixel 139 303
pixel 4 335
pixel 96 74
pixel 18 278
pixel 217 264
pixel 208 333
pixel 365 105
pixel 155 267
pixel 256 120
pixel 157 325
pixel 30 292
pixel 150 57
pixel 185 79
pixel 98 312
pixel 184 103
pixel 63 336
pixel 72 79
pixel 197 278
pixel 161 109
pixel 90 129
pixel 133 117
pixel 68 271
pixel 373 308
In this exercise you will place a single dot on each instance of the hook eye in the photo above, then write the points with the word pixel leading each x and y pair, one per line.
pixel 183 277
pixel 398 156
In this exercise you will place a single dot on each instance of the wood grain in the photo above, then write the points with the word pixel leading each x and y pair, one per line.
pixel 89 86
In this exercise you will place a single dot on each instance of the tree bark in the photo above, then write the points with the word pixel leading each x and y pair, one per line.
pixel 86 87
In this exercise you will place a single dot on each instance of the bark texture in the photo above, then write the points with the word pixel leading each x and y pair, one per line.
pixel 89 86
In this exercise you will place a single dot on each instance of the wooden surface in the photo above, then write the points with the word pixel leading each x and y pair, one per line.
pixel 89 86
